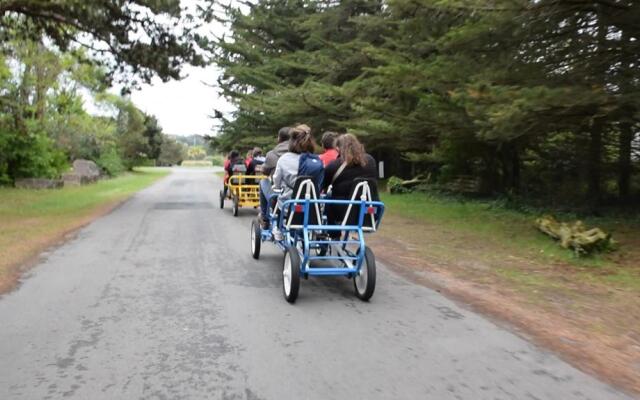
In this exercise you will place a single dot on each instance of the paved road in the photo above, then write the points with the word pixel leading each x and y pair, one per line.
pixel 162 300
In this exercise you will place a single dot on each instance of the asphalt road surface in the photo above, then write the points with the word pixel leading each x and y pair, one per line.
pixel 161 300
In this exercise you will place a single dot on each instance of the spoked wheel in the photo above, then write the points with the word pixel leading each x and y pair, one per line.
pixel 235 207
pixel 256 239
pixel 221 199
pixel 291 274
pixel 365 281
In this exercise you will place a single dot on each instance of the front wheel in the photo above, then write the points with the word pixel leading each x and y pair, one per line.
pixel 256 239
pixel 235 206
pixel 365 281
pixel 221 199
pixel 291 274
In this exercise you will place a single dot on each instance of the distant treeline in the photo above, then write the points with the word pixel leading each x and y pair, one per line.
pixel 537 99
pixel 44 123
pixel 53 52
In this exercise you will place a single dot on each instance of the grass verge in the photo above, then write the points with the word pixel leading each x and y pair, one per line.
pixel 196 163
pixel 32 220
pixel 494 259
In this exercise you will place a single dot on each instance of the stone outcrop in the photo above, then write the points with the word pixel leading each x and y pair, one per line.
pixel 38 183
pixel 84 172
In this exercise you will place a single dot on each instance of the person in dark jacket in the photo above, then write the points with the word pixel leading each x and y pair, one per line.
pixel 352 163
pixel 232 159
pixel 268 168
pixel 254 166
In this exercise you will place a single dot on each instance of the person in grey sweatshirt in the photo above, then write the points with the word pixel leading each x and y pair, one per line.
pixel 284 177
pixel 268 168
pixel 286 172
pixel 272 156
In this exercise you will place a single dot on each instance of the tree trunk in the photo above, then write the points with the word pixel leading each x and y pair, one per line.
pixel 594 160
pixel 515 170
pixel 624 161
pixel 510 160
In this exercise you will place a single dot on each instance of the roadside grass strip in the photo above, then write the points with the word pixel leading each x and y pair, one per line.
pixel 493 258
pixel 32 220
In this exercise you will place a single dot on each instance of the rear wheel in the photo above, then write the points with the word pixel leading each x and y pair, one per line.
pixel 235 207
pixel 221 199
pixel 256 239
pixel 365 281
pixel 291 274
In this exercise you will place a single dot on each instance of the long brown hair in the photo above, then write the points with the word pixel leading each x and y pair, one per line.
pixel 301 140
pixel 351 150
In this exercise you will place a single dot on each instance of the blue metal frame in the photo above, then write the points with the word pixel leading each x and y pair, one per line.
pixel 293 237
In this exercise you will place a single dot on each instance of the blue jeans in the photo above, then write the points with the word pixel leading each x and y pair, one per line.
pixel 265 193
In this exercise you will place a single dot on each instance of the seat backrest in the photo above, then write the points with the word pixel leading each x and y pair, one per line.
pixel 239 168
pixel 304 189
pixel 367 190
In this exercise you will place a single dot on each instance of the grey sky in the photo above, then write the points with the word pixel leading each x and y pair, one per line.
pixel 183 107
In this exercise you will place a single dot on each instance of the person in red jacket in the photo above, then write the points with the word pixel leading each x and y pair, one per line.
pixel 329 145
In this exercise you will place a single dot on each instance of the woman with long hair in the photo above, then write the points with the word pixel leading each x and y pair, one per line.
pixel 352 163
pixel 286 172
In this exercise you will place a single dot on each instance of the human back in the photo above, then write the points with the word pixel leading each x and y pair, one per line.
pixel 288 166
pixel 352 163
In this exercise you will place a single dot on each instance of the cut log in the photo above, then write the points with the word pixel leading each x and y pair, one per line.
pixel 576 237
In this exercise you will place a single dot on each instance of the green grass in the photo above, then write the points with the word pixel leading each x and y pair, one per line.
pixel 32 220
pixel 197 163
pixel 25 202
pixel 512 229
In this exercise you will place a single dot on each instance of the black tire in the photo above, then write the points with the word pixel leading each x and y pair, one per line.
pixel 291 274
pixel 234 207
pixel 256 239
pixel 365 282
pixel 221 199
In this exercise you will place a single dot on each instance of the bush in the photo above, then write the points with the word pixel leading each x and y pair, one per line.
pixel 394 185
pixel 29 155
pixel 111 162
pixel 217 160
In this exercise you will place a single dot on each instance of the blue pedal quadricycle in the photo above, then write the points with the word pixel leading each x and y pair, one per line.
pixel 314 247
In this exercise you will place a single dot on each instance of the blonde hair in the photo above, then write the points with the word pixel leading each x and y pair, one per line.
pixel 301 140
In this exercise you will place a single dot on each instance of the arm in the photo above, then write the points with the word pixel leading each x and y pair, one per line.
pixel 251 168
pixel 269 163
pixel 277 175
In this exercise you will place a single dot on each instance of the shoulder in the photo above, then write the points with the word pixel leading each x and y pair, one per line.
pixel 288 157
pixel 333 165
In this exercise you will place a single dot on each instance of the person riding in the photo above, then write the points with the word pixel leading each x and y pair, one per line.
pixel 328 143
pixel 268 167
pixel 284 177
pixel 272 156
pixel 230 166
pixel 255 163
pixel 352 163
pixel 248 158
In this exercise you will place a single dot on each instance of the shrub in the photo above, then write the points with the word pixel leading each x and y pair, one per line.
pixel 111 162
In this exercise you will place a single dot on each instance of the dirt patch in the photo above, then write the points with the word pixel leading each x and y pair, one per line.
pixel 18 258
pixel 589 321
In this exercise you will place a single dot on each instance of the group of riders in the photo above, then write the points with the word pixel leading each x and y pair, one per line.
pixel 333 172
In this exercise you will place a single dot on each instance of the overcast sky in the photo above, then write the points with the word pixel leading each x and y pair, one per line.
pixel 183 107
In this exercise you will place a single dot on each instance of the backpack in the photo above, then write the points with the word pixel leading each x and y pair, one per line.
pixel 311 165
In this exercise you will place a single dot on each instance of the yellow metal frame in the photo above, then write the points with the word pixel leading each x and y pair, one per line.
pixel 246 188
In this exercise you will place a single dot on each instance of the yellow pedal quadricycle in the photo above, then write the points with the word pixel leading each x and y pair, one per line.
pixel 243 191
